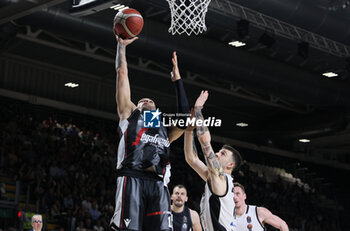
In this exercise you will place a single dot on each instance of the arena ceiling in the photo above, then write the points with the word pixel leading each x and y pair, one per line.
pixel 274 83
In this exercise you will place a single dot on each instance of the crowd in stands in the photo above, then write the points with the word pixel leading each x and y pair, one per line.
pixel 69 170
pixel 68 166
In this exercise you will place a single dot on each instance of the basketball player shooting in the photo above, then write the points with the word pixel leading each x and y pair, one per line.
pixel 217 207
pixel 142 198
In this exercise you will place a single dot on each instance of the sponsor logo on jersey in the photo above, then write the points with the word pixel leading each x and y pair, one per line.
pixel 249 219
pixel 145 138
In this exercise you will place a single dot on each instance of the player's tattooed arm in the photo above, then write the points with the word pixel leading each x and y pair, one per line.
pixel 211 159
pixel 123 95
pixel 198 113
pixel 204 136
pixel 120 56
pixel 121 51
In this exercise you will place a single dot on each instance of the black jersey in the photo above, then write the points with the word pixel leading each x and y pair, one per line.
pixel 182 221
pixel 140 147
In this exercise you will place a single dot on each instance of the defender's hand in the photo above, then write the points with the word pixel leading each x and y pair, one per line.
pixel 202 98
pixel 175 73
pixel 190 127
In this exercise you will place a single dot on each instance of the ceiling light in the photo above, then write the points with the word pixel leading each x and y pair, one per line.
pixel 304 140
pixel 330 74
pixel 241 124
pixel 236 44
pixel 123 8
pixel 119 7
pixel 83 2
pixel 72 85
pixel 116 6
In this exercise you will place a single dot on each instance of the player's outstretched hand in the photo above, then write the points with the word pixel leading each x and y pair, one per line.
pixel 175 73
pixel 126 41
pixel 201 99
pixel 202 131
pixel 190 127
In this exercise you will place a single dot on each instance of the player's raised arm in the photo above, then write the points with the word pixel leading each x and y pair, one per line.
pixel 181 99
pixel 215 171
pixel 204 136
pixel 123 98
pixel 190 154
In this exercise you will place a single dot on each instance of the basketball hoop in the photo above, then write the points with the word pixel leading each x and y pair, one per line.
pixel 188 16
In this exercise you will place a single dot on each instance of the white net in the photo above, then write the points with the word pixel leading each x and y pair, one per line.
pixel 188 16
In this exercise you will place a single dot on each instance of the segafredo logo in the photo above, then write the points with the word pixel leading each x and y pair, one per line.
pixel 152 119
pixel 145 138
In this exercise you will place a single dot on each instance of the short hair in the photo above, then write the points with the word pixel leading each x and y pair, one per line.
pixel 145 98
pixel 236 156
pixel 180 186
pixel 37 215
pixel 236 184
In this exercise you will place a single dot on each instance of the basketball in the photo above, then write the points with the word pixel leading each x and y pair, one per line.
pixel 127 23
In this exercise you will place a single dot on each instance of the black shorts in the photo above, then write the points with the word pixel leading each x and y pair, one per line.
pixel 142 203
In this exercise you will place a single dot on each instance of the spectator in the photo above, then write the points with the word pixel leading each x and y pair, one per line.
pixel 95 214
pixel 98 226
pixel 37 222
pixel 81 226
pixel 68 201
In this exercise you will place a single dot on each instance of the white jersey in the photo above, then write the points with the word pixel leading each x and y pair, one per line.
pixel 249 221
pixel 217 211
